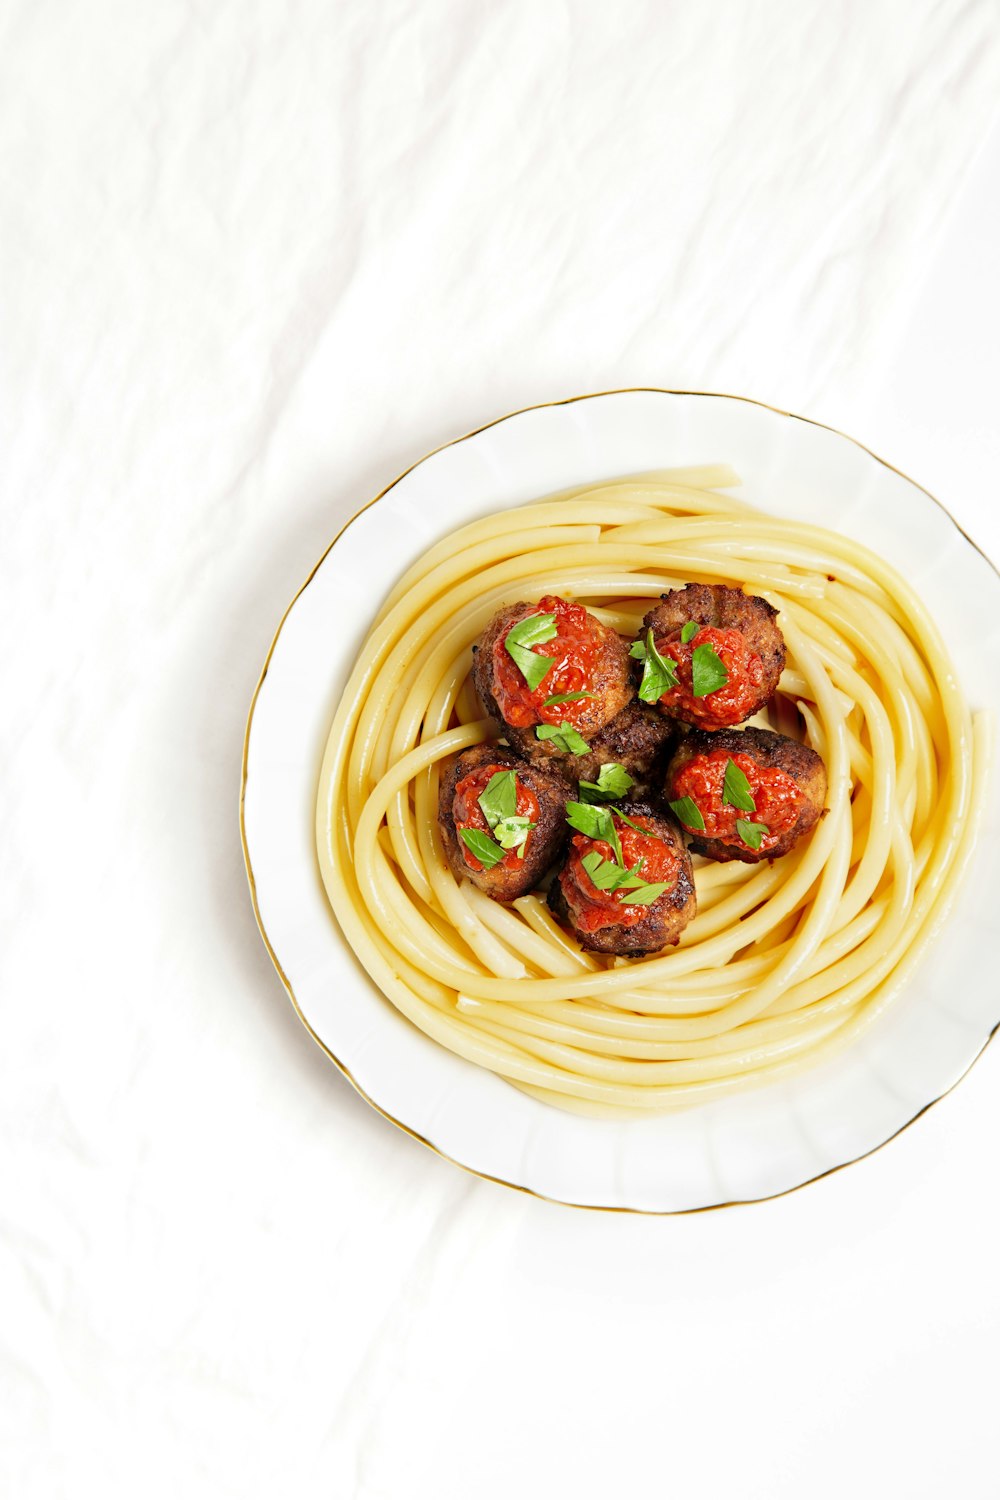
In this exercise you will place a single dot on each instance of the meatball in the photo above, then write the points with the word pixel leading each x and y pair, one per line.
pixel 727 787
pixel 520 831
pixel 602 918
pixel 577 680
pixel 638 739
pixel 720 655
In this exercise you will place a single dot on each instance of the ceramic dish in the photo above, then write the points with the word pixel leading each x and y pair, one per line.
pixel 741 1147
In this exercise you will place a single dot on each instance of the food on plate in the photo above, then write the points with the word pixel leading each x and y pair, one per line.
pixel 502 822
pixel 709 655
pixel 552 675
pixel 746 794
pixel 626 886
pixel 781 958
pixel 626 756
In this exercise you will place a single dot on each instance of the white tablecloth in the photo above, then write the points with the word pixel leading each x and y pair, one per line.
pixel 255 260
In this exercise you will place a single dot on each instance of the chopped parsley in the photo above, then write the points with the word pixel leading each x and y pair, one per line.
pixel 564 737
pixel 499 797
pixel 736 789
pixel 498 802
pixel 512 833
pixel 613 781
pixel 659 673
pixel 610 877
pixel 752 834
pixel 486 850
pixel 595 823
pixel 533 631
pixel 688 812
pixel 707 672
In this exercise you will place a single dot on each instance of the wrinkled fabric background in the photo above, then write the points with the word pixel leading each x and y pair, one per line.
pixel 256 259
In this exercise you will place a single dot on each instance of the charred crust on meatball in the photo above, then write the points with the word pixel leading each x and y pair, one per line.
pixel 544 843
pixel 611 683
pixel 663 922
pixel 771 751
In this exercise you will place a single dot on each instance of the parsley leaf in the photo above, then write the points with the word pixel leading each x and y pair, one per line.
pixel 637 826
pixel 607 876
pixel 595 823
pixel 567 698
pixel 689 632
pixel 486 850
pixel 533 631
pixel 512 833
pixel 751 833
pixel 659 674
pixel 736 789
pixel 646 895
pixel 499 798
pixel 564 737
pixel 689 813
pixel 613 781
pixel 707 672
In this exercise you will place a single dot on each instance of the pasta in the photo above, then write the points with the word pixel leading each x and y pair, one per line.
pixel 783 961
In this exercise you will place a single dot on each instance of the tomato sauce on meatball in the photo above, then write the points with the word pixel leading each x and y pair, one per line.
pixel 539 800
pixel 585 683
pixel 745 794
pixel 605 920
pixel 723 650
pixel 468 813
pixel 592 908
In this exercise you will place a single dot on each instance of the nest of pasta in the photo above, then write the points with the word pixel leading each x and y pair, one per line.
pixel 783 960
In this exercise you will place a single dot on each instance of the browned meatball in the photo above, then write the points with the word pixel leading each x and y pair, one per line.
pixel 723 651
pixel 638 739
pixel 725 787
pixel 603 919
pixel 531 815
pixel 578 674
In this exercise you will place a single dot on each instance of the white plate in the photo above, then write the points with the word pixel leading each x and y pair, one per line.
pixel 740 1147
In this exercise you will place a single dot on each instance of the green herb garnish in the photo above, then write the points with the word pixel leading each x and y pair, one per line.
pixel 533 631
pixel 512 833
pixel 499 804
pixel 486 850
pixel 689 632
pixel 707 672
pixel 751 833
pixel 499 798
pixel 659 673
pixel 736 789
pixel 596 823
pixel 613 781
pixel 609 877
pixel 637 826
pixel 567 698
pixel 564 737
pixel 646 894
pixel 689 813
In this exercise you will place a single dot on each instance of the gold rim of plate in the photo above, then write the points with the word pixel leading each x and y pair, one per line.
pixel 341 1066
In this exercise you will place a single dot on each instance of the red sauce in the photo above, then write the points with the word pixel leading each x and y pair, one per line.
pixel 468 814
pixel 778 796
pixel 593 909
pixel 727 705
pixel 573 649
